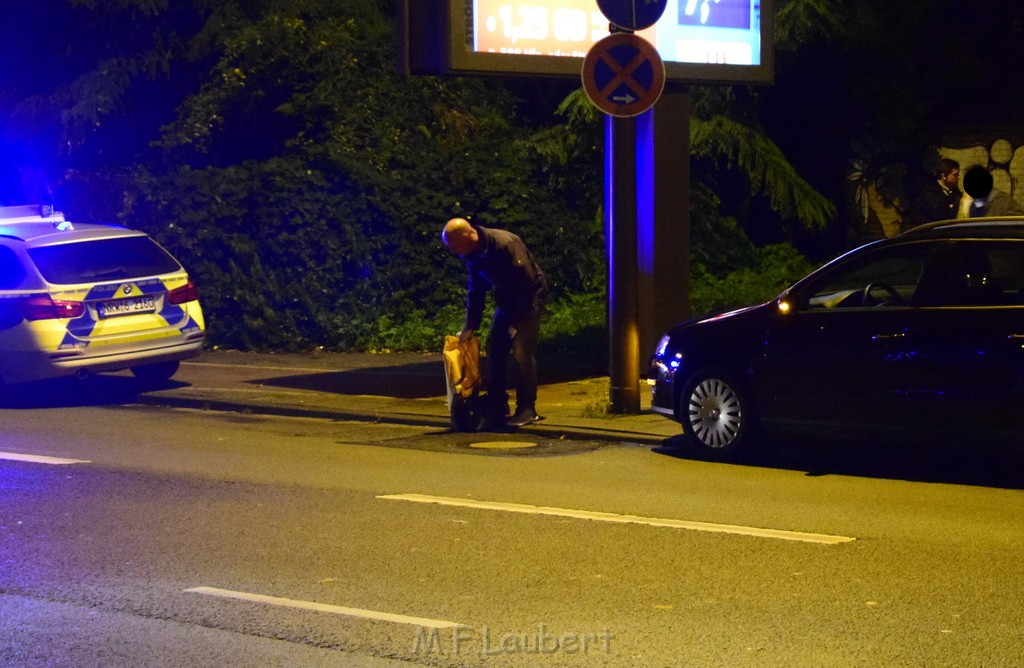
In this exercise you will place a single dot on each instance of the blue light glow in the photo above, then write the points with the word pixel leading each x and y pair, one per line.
pixel 24 177
pixel 645 193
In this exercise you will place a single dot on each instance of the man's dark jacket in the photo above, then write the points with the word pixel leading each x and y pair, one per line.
pixel 504 264
pixel 937 203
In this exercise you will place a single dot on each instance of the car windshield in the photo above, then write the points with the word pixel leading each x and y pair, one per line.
pixel 102 260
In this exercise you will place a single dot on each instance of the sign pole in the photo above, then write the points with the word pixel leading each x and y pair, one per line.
pixel 621 237
pixel 623 75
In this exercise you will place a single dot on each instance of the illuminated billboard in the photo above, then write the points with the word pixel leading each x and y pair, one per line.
pixel 699 40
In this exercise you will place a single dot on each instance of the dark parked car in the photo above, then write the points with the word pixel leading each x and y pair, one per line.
pixel 918 336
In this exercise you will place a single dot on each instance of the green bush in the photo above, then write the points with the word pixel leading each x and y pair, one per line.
pixel 776 267
pixel 567 323
pixel 417 330
pixel 577 324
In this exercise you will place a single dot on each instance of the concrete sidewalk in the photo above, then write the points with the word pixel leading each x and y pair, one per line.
pixel 398 388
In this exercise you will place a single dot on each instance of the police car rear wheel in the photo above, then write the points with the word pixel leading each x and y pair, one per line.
pixel 160 371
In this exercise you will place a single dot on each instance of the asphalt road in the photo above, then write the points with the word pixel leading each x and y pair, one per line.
pixel 195 538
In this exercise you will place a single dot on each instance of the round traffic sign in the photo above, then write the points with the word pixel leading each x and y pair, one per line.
pixel 632 14
pixel 623 75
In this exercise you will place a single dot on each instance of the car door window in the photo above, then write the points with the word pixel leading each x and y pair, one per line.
pixel 983 273
pixel 886 278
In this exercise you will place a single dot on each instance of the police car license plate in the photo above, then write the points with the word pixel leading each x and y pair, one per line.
pixel 127 306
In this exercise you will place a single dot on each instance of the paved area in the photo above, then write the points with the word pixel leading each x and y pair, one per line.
pixel 403 388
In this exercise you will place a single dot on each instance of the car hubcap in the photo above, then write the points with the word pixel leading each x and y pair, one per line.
pixel 715 413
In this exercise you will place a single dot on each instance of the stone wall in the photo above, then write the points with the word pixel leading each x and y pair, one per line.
pixel 877 202
pixel 1003 159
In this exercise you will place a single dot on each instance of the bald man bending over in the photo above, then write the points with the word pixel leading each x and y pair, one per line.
pixel 498 260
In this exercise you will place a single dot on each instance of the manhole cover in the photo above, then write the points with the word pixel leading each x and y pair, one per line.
pixel 502 445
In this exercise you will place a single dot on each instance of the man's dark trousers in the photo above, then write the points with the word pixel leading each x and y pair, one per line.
pixel 523 346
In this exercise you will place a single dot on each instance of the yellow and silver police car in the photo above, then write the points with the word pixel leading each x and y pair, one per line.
pixel 78 299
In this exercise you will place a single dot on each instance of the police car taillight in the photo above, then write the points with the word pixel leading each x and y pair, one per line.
pixel 186 293
pixel 43 307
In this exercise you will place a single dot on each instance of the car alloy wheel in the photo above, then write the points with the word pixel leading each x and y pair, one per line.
pixel 714 413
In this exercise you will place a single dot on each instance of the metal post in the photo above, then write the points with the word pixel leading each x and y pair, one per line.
pixel 621 236
pixel 663 205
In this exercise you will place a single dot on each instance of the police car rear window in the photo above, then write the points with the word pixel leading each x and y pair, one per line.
pixel 102 260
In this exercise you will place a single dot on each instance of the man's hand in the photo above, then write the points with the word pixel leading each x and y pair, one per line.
pixel 465 335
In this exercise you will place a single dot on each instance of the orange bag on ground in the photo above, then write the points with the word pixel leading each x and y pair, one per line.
pixel 467 407
pixel 461 367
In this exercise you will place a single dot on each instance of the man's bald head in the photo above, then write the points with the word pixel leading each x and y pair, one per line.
pixel 460 237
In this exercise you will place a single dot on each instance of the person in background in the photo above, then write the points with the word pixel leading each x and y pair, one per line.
pixel 940 199
pixel 499 261
pixel 985 199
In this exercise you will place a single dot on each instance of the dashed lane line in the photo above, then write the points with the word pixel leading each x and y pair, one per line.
pixel 824 539
pixel 323 607
pixel 41 459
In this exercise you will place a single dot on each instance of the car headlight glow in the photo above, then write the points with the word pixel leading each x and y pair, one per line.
pixel 662 345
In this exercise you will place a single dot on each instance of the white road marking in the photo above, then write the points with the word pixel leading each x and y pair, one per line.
pixel 281 418
pixel 305 369
pixel 263 390
pixel 40 459
pixel 324 607
pixel 257 366
pixel 824 539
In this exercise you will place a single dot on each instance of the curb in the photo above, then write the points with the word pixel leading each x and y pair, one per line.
pixel 571 433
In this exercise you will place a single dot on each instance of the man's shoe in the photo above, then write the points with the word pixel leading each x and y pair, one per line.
pixel 523 417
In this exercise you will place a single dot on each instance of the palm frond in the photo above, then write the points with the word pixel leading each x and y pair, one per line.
pixel 805 22
pixel 723 140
